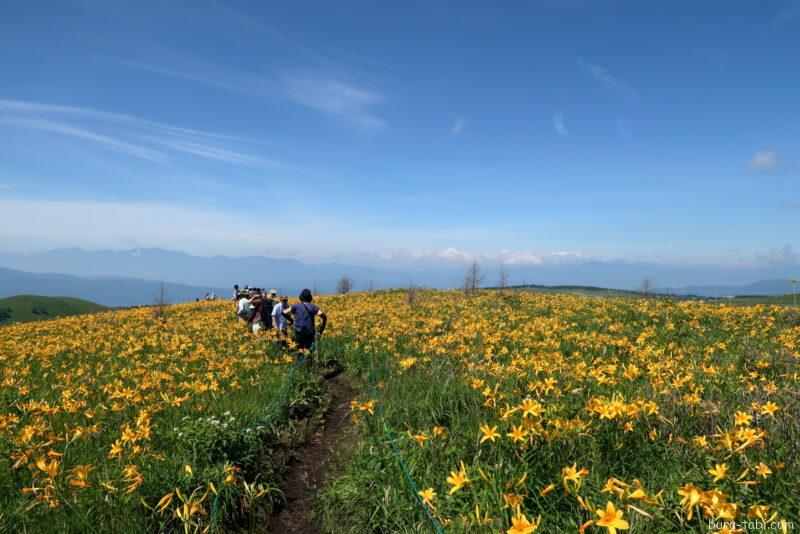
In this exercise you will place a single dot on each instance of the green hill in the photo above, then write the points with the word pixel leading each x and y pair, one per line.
pixel 24 308
pixel 591 291
pixel 784 300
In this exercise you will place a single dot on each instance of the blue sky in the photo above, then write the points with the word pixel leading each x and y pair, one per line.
pixel 379 133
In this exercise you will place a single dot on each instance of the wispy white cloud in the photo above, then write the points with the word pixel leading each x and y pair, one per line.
pixel 763 160
pixel 784 255
pixel 521 257
pixel 768 161
pixel 198 229
pixel 316 82
pixel 453 255
pixel 324 89
pixel 411 198
pixel 104 141
pixel 128 134
pixel 247 26
pixel 785 17
pixel 205 229
pixel 619 87
pixel 4 186
pixel 96 225
pixel 334 97
pixel 458 125
pixel 215 153
pixel 24 107
pixel 210 74
pixel 558 124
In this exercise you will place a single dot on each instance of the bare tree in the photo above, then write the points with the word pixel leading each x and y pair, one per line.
pixel 345 285
pixel 502 277
pixel 473 279
pixel 160 302
pixel 412 296
pixel 647 286
pixel 371 286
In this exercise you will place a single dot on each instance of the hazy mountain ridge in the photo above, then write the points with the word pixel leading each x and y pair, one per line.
pixel 108 292
pixel 217 271
pixel 135 273
pixel 762 287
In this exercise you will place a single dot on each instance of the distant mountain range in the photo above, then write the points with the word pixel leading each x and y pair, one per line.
pixel 127 277
pixel 762 287
pixel 108 291
pixel 219 271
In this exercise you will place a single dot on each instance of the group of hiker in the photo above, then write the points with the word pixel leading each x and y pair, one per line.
pixel 264 311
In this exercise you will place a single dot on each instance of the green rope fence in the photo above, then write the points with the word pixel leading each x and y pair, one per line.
pixel 273 410
pixel 401 462
pixel 266 417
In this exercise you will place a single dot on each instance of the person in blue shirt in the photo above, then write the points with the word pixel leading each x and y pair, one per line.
pixel 305 313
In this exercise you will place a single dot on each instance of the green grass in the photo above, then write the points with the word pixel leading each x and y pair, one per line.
pixel 591 291
pixel 192 387
pixel 593 349
pixel 783 300
pixel 25 308
pixel 582 291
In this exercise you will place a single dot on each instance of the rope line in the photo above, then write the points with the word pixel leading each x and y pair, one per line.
pixel 276 405
pixel 403 466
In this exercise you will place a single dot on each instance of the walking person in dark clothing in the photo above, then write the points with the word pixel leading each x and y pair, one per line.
pixel 305 313
pixel 262 316
pixel 257 315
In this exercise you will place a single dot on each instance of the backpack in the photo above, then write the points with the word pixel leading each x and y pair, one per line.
pixel 308 326
pixel 264 312
pixel 245 309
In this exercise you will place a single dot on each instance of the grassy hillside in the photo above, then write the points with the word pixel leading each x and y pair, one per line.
pixel 590 291
pixel 785 300
pixel 188 411
pixel 24 308
pixel 568 411
pixel 579 413
pixel 581 291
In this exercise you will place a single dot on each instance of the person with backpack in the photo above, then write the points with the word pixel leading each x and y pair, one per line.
pixel 305 313
pixel 262 310
pixel 244 309
pixel 257 321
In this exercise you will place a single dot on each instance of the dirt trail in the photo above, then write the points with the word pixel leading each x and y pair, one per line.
pixel 306 474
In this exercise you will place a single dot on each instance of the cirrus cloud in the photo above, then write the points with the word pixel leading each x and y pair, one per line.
pixel 616 85
pixel 132 136
pixel 558 124
pixel 768 161
pixel 458 125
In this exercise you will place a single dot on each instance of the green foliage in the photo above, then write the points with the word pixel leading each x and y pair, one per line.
pixel 24 308
pixel 370 494
pixel 224 409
